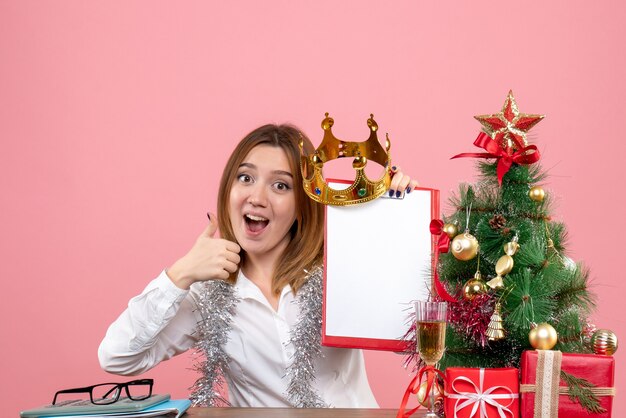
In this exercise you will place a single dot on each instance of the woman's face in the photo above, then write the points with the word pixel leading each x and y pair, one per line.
pixel 262 202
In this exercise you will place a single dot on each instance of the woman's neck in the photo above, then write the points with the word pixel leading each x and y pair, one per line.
pixel 260 267
pixel 260 271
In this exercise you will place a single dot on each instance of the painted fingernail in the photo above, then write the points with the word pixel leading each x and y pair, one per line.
pixel 408 189
pixel 391 192
pixel 394 168
pixel 398 193
pixel 208 216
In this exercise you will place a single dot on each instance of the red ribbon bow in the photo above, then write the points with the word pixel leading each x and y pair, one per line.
pixel 414 387
pixel 527 155
pixel 443 244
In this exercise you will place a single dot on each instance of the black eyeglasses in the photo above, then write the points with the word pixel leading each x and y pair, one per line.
pixel 107 393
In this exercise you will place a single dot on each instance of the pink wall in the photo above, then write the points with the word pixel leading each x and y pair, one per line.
pixel 116 118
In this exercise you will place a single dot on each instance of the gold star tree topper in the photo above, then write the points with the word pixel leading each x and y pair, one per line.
pixel 509 127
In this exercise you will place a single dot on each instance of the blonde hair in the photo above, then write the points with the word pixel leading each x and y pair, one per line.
pixel 305 248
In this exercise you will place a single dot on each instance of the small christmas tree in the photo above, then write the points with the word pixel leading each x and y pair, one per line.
pixel 502 230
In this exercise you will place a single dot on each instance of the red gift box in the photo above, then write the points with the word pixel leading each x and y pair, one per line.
pixel 545 384
pixel 483 393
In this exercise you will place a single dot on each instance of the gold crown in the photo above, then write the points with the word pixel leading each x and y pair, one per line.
pixel 331 148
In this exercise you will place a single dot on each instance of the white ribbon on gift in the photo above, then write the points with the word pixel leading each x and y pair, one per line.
pixel 479 398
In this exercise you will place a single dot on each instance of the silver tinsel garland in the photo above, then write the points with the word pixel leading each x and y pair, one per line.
pixel 217 306
pixel 307 345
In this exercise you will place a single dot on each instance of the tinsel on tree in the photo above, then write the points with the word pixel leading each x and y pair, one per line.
pixel 510 216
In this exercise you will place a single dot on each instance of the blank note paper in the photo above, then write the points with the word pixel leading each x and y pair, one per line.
pixel 377 262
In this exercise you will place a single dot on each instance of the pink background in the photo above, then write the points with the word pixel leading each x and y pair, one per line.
pixel 116 119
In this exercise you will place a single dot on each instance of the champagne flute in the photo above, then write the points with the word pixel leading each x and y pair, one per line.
pixel 431 338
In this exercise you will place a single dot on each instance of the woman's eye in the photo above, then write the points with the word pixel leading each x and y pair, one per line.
pixel 244 178
pixel 281 186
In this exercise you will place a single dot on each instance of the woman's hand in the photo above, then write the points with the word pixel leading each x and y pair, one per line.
pixel 400 182
pixel 209 258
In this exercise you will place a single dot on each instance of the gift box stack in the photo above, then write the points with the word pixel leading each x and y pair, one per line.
pixel 553 384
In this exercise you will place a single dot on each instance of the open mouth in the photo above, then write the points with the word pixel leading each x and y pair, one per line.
pixel 255 223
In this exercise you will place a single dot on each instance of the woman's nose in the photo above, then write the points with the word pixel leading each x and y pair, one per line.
pixel 258 196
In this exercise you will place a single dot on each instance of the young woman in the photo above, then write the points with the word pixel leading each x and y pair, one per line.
pixel 243 299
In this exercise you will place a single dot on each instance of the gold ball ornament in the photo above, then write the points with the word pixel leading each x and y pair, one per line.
pixel 474 287
pixel 543 337
pixel 437 391
pixel 451 230
pixel 537 193
pixel 464 246
pixel 604 342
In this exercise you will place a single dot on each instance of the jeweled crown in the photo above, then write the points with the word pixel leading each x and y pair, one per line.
pixel 331 148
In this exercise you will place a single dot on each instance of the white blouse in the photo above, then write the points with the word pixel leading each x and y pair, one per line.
pixel 161 323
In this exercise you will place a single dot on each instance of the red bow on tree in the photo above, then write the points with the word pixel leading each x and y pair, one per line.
pixel 526 155
pixel 443 244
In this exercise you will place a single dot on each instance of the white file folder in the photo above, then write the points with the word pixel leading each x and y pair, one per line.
pixel 377 260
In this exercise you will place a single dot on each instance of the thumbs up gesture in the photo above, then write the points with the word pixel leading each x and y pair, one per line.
pixel 210 258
